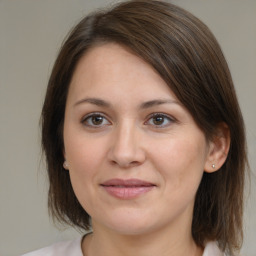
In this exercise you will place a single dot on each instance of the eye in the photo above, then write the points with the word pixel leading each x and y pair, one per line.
pixel 95 120
pixel 159 120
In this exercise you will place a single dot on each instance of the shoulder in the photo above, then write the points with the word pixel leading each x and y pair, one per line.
pixel 212 249
pixel 67 248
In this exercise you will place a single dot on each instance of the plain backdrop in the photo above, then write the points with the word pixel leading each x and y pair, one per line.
pixel 31 32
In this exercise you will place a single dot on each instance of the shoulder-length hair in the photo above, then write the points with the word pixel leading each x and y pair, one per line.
pixel 187 56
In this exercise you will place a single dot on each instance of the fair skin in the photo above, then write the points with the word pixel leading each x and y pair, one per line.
pixel 123 123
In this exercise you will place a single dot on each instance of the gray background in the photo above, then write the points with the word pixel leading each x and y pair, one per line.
pixel 31 33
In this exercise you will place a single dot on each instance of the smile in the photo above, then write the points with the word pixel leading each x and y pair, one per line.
pixel 127 189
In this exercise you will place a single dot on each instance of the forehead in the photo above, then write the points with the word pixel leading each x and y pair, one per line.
pixel 111 69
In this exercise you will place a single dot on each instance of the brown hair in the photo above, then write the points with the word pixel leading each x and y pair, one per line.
pixel 187 56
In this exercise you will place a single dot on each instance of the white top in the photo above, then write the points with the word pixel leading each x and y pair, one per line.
pixel 73 248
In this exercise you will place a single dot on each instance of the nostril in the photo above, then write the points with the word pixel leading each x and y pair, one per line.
pixel 135 163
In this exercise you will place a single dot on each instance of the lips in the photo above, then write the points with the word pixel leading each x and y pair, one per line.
pixel 127 189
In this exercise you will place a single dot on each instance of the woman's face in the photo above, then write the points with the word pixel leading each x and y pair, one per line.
pixel 134 153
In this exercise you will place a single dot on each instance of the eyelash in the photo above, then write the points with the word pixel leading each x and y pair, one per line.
pixel 165 117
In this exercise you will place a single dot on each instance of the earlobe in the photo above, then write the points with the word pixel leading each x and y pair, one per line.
pixel 65 165
pixel 218 148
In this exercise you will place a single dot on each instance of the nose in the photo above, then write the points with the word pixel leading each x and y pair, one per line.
pixel 126 147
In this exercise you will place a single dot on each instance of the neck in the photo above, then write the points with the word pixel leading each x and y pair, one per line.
pixel 105 242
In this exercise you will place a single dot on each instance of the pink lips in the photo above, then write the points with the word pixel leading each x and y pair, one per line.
pixel 127 189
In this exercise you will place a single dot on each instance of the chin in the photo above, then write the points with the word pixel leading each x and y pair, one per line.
pixel 130 223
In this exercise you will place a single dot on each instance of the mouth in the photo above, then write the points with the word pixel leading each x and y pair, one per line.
pixel 127 189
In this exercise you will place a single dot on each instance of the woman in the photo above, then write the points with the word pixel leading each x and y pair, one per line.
pixel 143 136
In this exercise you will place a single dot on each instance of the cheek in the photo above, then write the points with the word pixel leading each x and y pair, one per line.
pixel 84 158
pixel 83 153
pixel 181 163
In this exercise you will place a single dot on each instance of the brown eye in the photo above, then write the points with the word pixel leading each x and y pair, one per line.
pixel 95 121
pixel 160 120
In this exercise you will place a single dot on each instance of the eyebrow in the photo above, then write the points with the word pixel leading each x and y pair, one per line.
pixel 94 101
pixel 157 102
pixel 144 105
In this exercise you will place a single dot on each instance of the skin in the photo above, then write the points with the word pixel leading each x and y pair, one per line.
pixel 127 142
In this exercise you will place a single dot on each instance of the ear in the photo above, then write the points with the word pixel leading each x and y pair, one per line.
pixel 65 163
pixel 218 148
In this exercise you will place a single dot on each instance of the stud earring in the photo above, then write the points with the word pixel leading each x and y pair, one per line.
pixel 65 165
pixel 213 166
